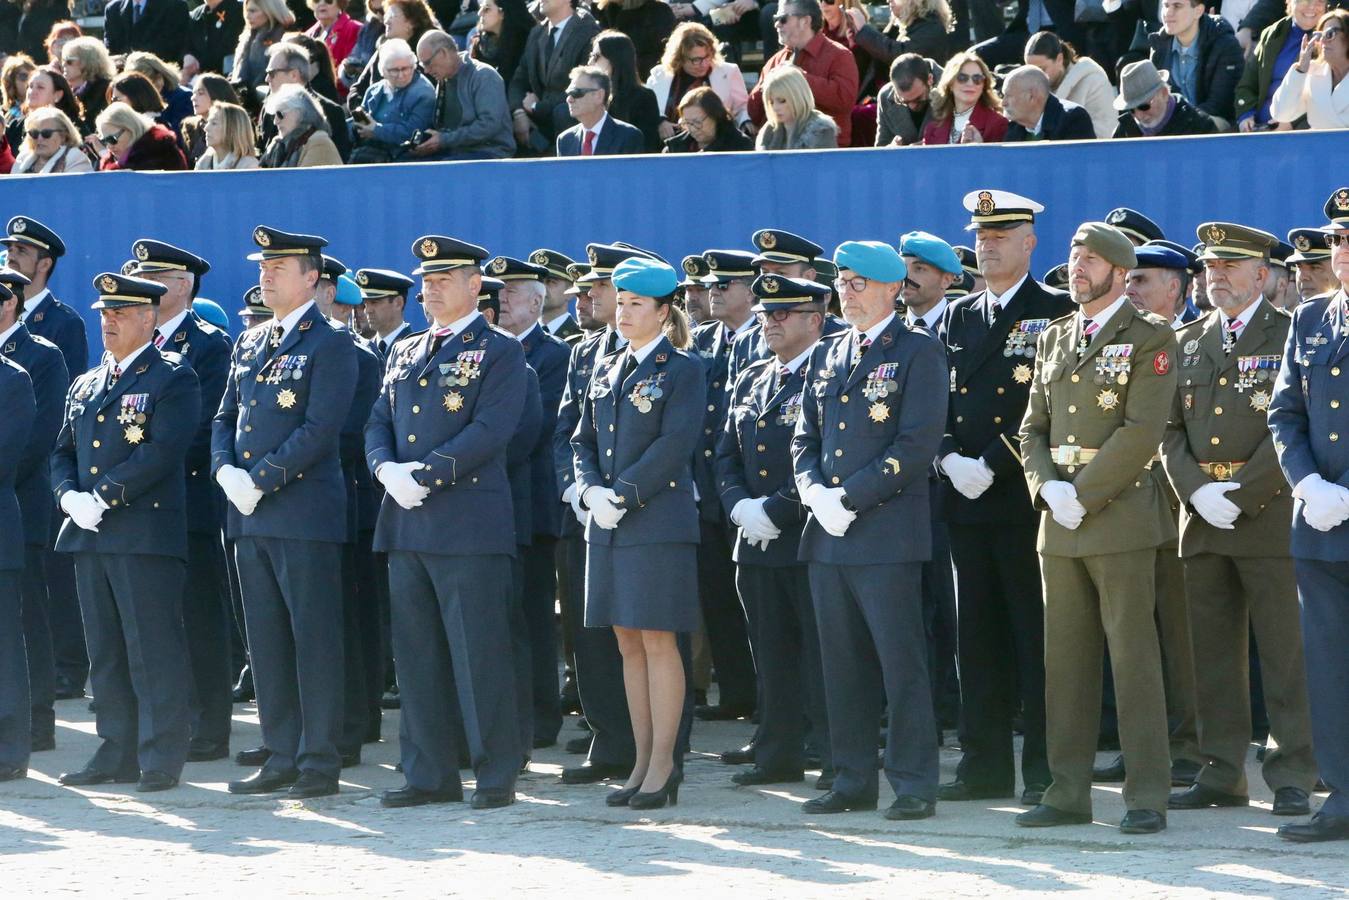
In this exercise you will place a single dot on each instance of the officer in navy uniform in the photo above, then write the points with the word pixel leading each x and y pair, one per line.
pixel 33 251
pixel 206 614
pixel 118 475
pixel 1137 227
pixel 16 423
pixel 990 339
pixel 871 421
pixel 254 312
pixel 47 368
pixel 557 282
pixel 436 440
pixel 779 253
pixel 1309 414
pixel 275 453
pixel 756 487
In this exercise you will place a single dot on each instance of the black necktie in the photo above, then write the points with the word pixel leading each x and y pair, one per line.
pixel 550 45
pixel 383 347
pixel 629 366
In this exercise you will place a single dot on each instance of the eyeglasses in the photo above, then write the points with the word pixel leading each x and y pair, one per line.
pixel 67 60
pixel 1337 240
pixel 970 78
pixel 1331 33
pixel 781 315
pixel 107 140
pixel 725 283
pixel 690 124
pixel 577 93
pixel 781 19
pixel 277 71
pixel 398 70
pixel 42 133
pixel 279 115
pixel 1143 107
pixel 698 60
pixel 857 283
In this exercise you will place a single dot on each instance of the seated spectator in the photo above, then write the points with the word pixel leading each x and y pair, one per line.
pixel 471 118
pixel 1316 86
pixel 88 67
pixel 395 108
pixel 407 20
pixel 1075 79
pixel 1202 54
pixel 560 44
pixel 322 75
pixel 289 63
pixel 61 33
pixel 1275 54
pixel 301 131
pixel 499 39
pixel 52 144
pixel 707 126
pixel 208 90
pixel 164 77
pixel 647 23
pixel 1031 16
pixel 693 60
pixel 155 26
pixel 904 105
pixel 48 87
pixel 136 91
pixel 1149 109
pixel 612 52
pixel 34 23
pixel 134 141
pixel 1036 114
pixel 372 32
pixel 870 76
pixel 595 133
pixel 828 67
pixel 916 26
pixel 966 108
pixel 213 30
pixel 793 122
pixel 335 28
pixel 230 141
pixel 14 75
pixel 265 23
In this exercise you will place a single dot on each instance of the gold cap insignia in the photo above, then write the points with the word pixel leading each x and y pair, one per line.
pixel 108 283
pixel 768 240
pixel 19 226
pixel 142 252
pixel 499 265
pixel 985 206
pixel 428 248
pixel 1215 235
pixel 539 258
pixel 262 238
pixel 592 256
pixel 690 267
pixel 1302 242
pixel 771 285
pixel 362 279
pixel 712 264
pixel 1341 200
pixel 128 267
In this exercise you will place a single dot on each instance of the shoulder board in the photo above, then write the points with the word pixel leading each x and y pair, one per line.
pixel 172 357
pixel 1152 319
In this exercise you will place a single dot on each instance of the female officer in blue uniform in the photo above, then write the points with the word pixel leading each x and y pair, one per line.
pixel 633 448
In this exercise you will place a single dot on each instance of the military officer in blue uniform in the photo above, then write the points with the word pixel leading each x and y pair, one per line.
pixel 990 340
pixel 254 312
pixel 1309 416
pixel 118 475
pixel 47 368
pixel 758 492
pixel 206 612
pixel 16 423
pixel 449 404
pixel 694 291
pixel 1138 228
pixel 385 293
pixel 275 454
pixel 1311 263
pixel 33 250
pixel 871 420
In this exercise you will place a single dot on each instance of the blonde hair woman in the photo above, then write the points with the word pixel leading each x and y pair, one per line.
pixel 265 23
pixel 135 141
pixel 692 60
pixel 88 67
pixel 966 108
pixel 793 121
pixel 230 139
pixel 51 144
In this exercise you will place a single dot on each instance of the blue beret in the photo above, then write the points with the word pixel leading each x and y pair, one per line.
pixel 871 259
pixel 1155 256
pixel 211 312
pixel 348 294
pixel 645 277
pixel 931 250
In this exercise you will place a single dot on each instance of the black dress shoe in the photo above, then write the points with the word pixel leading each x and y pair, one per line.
pixel 90 777
pixel 265 781
pixel 569 700
pixel 1050 816
pixel 622 796
pixel 1291 801
pixel 666 795
pixel 760 775
pixel 1184 772
pixel 257 756
pixel 1142 821
pixel 411 796
pixel 243 688
pixel 825 782
pixel 67 691
pixel 963 790
pixel 1033 794
pixel 578 745
pixel 836 802
pixel 492 798
pixel 592 773
pixel 741 757
pixel 1111 772
pixel 12 773
pixel 911 807
pixel 152 781
pixel 351 760
pixel 42 742
pixel 722 712
pixel 312 784
pixel 1321 828
pixel 1200 796
pixel 205 751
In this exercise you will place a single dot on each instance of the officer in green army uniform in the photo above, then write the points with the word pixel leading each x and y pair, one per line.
pixel 1102 389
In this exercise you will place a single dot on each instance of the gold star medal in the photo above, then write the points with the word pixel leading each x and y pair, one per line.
pixel 878 412
pixel 285 399
pixel 1107 399
pixel 454 401
pixel 1021 374
pixel 134 434
pixel 1260 400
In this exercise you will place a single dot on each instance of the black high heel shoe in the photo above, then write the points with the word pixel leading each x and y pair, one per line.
pixel 621 797
pixel 656 799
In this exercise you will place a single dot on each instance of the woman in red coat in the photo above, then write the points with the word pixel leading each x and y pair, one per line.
pixel 136 142
pixel 335 28
pixel 966 108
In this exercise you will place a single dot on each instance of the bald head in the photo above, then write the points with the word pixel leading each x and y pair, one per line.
pixel 1025 92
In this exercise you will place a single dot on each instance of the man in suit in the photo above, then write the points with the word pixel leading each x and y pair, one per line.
pixel 47 370
pixel 16 711
pixel 871 421
pixel 117 474
pixel 33 250
pixel 556 318
pixel 1220 457
pixel 436 441
pixel 536 93
pixel 1307 415
pixel 1100 394
pixel 206 613
pixel 275 453
pixel 1037 115
pixel 1031 16
pixel 156 26
pixel 595 132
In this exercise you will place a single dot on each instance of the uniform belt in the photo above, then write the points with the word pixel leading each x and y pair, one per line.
pixel 1070 455
pixel 1221 471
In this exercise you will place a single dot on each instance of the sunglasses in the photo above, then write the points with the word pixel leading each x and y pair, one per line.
pixel 1337 240
pixel 107 140
pixel 781 19
pixel 577 93
pixel 42 133
pixel 268 75
pixel 1143 107
pixel 967 78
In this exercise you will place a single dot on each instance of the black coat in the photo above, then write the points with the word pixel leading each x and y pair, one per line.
pixel 1185 120
pixel 926 37
pixel 162 29
pixel 212 35
pixel 640 110
pixel 32 27
pixel 729 139
pixel 1063 121
pixel 1221 61
pixel 649 26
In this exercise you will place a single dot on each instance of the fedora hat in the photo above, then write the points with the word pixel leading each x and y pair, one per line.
pixel 1138 82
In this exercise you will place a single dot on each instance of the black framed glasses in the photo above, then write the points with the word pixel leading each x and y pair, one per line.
pixel 1143 107
pixel 268 75
pixel 108 140
pixel 1336 240
pixel 781 18
pixel 782 315
pixel 577 93
pixel 690 124
pixel 857 283
pixel 42 133
pixel 970 77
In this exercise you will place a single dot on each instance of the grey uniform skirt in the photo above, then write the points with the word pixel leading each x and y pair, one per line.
pixel 650 586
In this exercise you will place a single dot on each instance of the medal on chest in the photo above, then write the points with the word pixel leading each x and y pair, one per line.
pixel 880 384
pixel 1022 373
pixel 132 415
pixel 645 392
pixel 289 367
pixel 790 410
pixel 1253 371
pixel 1113 363
pixel 1107 399
pixel 1021 339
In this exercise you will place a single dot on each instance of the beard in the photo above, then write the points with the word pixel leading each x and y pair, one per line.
pixel 1095 290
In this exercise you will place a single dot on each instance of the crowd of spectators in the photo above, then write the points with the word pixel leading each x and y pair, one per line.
pixel 159 84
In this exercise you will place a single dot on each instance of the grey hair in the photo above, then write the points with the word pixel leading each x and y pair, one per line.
pixel 290 97
pixel 292 56
pixel 395 49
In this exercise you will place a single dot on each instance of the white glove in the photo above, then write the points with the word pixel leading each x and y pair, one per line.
pixel 402 487
pixel 969 476
pixel 1324 505
pixel 239 489
pixel 603 505
pixel 754 522
pixel 1061 497
pixel 573 499
pixel 826 504
pixel 83 508
pixel 1215 508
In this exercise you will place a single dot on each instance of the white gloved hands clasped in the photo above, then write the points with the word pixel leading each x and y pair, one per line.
pixel 1211 504
pixel 826 504
pixel 1061 497
pixel 754 522
pixel 401 486
pixel 604 506
pixel 969 476
pixel 239 489
pixel 83 508
pixel 1324 505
